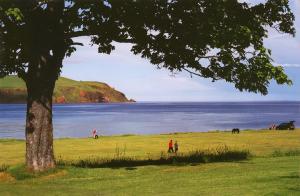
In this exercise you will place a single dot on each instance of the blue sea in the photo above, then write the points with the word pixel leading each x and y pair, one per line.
pixel 77 120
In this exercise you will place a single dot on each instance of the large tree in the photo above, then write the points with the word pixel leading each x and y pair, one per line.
pixel 217 39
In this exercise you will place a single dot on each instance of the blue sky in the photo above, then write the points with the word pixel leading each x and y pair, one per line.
pixel 140 80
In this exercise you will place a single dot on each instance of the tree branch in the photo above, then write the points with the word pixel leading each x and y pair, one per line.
pixel 192 73
pixel 79 34
pixel 124 40
pixel 207 57
pixel 77 44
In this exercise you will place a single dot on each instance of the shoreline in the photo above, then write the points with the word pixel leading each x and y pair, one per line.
pixel 165 102
pixel 164 134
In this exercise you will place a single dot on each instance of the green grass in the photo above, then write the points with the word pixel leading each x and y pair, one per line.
pixel 273 169
pixel 12 82
pixel 220 154
pixel 260 143
pixel 259 176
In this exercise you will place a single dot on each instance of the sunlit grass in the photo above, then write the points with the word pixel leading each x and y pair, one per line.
pixel 220 154
pixel 259 143
pixel 214 163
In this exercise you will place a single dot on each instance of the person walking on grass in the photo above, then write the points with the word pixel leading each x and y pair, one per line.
pixel 95 135
pixel 176 146
pixel 170 146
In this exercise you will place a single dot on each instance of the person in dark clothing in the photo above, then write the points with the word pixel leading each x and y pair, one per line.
pixel 176 146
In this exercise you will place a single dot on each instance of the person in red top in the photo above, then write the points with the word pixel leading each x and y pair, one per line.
pixel 171 146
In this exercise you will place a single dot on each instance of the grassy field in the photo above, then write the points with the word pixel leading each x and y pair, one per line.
pixel 273 168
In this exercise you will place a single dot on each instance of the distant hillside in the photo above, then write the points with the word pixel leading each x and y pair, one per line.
pixel 13 90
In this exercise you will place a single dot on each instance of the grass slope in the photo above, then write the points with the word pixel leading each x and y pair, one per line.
pixel 266 173
pixel 13 90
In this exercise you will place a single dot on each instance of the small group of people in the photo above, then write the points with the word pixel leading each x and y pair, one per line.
pixel 171 149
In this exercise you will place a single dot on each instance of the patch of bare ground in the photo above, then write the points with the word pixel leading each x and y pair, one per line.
pixel 6 177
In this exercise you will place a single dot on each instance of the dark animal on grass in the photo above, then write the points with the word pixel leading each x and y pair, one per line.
pixel 36 37
pixel 286 126
pixel 235 130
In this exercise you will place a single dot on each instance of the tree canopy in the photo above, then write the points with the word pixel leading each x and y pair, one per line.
pixel 217 39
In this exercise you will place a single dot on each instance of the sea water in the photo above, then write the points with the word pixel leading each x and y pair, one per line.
pixel 78 120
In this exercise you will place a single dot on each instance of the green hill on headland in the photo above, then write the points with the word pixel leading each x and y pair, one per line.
pixel 13 90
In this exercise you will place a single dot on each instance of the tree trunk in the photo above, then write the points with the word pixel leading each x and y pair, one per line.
pixel 39 128
pixel 47 45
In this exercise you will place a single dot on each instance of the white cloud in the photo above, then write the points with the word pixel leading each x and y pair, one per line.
pixel 291 65
pixel 140 80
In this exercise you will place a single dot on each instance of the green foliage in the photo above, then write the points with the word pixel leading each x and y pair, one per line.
pixel 217 39
pixel 14 13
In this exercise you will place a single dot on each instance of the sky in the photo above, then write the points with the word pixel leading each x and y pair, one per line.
pixel 142 81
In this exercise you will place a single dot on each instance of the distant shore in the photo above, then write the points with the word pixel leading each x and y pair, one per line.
pixel 13 90
pixel 166 134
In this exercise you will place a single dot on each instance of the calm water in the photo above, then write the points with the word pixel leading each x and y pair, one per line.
pixel 148 118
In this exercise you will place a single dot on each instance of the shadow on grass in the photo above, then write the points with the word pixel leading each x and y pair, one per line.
pixel 281 153
pixel 294 189
pixel 221 154
pixel 294 176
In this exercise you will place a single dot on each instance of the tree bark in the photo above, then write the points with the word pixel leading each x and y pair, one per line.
pixel 39 127
pixel 45 43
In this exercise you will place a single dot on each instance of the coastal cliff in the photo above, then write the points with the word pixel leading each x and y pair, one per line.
pixel 13 90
